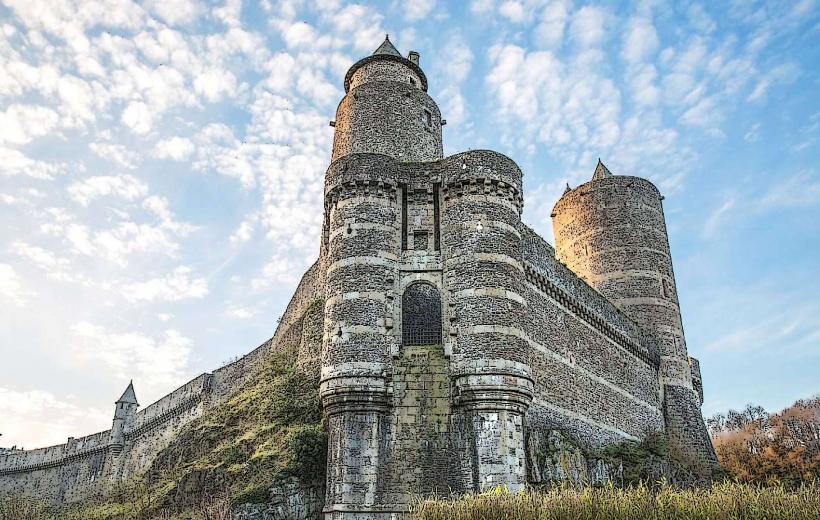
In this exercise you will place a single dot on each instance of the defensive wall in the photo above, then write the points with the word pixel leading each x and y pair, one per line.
pixel 84 466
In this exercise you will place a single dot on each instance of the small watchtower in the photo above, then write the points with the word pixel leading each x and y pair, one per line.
pixel 124 410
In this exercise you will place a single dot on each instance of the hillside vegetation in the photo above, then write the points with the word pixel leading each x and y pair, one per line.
pixel 269 432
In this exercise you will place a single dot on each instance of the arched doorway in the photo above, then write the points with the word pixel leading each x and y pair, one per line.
pixel 421 315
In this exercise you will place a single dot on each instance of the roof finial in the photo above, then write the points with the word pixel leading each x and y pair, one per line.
pixel 567 188
pixel 601 171
pixel 387 47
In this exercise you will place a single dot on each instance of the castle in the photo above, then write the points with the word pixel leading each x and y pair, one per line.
pixel 454 338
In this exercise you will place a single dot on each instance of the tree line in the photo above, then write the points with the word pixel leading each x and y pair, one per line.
pixel 755 446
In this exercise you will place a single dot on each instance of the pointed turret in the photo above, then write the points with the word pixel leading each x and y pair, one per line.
pixel 601 171
pixel 387 47
pixel 128 396
pixel 125 409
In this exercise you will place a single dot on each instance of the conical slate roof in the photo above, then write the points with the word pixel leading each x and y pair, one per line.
pixel 387 48
pixel 601 171
pixel 128 396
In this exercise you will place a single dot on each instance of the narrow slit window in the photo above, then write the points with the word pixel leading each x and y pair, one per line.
pixel 428 118
pixel 404 217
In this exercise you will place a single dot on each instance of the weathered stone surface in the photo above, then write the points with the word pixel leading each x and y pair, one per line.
pixel 537 345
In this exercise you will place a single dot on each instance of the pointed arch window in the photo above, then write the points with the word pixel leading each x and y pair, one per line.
pixel 421 315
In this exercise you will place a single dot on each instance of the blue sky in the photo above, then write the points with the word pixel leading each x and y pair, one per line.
pixel 162 165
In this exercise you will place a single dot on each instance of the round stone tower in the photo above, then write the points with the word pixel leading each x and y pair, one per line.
pixel 484 275
pixel 386 109
pixel 612 233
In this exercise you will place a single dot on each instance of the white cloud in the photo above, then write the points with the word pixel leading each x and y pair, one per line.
pixel 783 74
pixel 14 162
pixel 56 268
pixel 156 363
pixel 175 148
pixel 716 217
pixel 126 187
pixel 481 6
pixel 116 153
pixel 138 117
pixel 22 123
pixel 176 12
pixel 278 271
pixel 640 40
pixel 214 84
pixel 550 30
pixel 513 11
pixel 799 190
pixel 241 312
pixel 11 287
pixel 361 25
pixel 418 9
pixel 36 419
pixel 587 27
pixel 180 284
pixel 752 135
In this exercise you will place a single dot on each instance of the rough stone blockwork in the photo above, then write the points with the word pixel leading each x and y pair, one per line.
pixel 517 360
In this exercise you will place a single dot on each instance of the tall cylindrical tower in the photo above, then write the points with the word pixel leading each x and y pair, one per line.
pixel 361 256
pixel 611 231
pixel 483 273
pixel 386 109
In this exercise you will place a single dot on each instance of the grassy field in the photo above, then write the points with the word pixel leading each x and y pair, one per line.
pixel 722 501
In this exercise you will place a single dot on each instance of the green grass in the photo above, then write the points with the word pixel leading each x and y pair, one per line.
pixel 720 501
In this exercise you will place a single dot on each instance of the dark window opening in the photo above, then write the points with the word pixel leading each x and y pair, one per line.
pixel 412 82
pixel 404 217
pixel 428 118
pixel 436 230
pixel 421 315
pixel 665 288
pixel 420 240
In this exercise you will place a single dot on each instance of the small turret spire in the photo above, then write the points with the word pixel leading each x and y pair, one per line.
pixel 387 47
pixel 601 171
pixel 128 396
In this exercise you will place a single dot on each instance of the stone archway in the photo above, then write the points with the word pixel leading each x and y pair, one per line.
pixel 421 315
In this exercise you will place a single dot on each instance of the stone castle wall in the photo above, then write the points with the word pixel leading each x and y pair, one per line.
pixel 85 466
pixel 577 336
pixel 533 364
pixel 611 231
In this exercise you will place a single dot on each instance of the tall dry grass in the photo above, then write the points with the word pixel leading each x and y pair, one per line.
pixel 721 501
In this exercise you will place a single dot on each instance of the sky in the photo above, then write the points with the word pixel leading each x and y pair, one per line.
pixel 162 162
